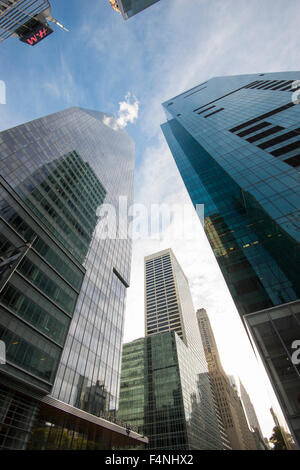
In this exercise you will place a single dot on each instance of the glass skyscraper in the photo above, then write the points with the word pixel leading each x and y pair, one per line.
pixel 129 8
pixel 165 387
pixel 236 143
pixel 62 311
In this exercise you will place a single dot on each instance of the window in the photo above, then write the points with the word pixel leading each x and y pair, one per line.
pixel 293 161
pixel 280 138
pixel 215 112
pixel 254 129
pixel 264 134
pixel 262 116
pixel 207 109
pixel 286 149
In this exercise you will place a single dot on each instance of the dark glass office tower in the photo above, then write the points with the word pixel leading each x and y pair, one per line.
pixel 62 310
pixel 236 143
pixel 129 8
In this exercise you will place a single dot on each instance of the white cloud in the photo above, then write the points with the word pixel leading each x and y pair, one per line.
pixel 128 112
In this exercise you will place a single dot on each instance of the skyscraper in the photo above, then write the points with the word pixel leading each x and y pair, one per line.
pixel 62 310
pixel 165 385
pixel 129 8
pixel 229 404
pixel 236 143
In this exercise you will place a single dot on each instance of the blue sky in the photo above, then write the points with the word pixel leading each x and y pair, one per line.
pixel 161 52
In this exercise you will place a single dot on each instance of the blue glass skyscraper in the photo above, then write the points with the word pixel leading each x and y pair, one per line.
pixel 62 311
pixel 236 143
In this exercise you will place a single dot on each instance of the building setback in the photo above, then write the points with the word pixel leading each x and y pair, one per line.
pixel 165 386
pixel 62 310
pixel 236 143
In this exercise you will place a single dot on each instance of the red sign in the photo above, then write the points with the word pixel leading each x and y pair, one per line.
pixel 36 35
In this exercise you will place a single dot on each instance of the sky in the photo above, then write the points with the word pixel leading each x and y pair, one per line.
pixel 128 68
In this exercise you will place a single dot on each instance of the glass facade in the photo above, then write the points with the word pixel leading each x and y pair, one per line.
pixel 165 386
pixel 14 13
pixel 130 8
pixel 37 304
pixel 163 393
pixel 274 332
pixel 60 427
pixel 62 311
pixel 236 144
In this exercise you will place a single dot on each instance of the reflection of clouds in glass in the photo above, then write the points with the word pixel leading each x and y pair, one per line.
pixel 128 112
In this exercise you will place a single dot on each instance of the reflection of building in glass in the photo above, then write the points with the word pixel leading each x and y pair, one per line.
pixel 129 8
pixel 92 399
pixel 165 388
pixel 161 394
pixel 236 143
pixel 62 311
pixel 229 404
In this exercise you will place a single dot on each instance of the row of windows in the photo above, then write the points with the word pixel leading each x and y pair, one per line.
pixel 250 130
pixel 53 256
pixel 292 161
pixel 152 280
pixel 214 112
pixel 281 85
pixel 160 304
pixel 267 133
pixel 158 272
pixel 157 263
pixel 280 138
pixel 262 116
pixel 170 315
pixel 159 295
pixel 170 308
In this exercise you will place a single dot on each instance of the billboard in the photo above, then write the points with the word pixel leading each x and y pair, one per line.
pixel 36 33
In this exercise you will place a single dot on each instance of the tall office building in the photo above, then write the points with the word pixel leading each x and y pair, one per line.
pixel 62 309
pixel 129 8
pixel 229 404
pixel 249 410
pixel 165 385
pixel 236 143
pixel 26 20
